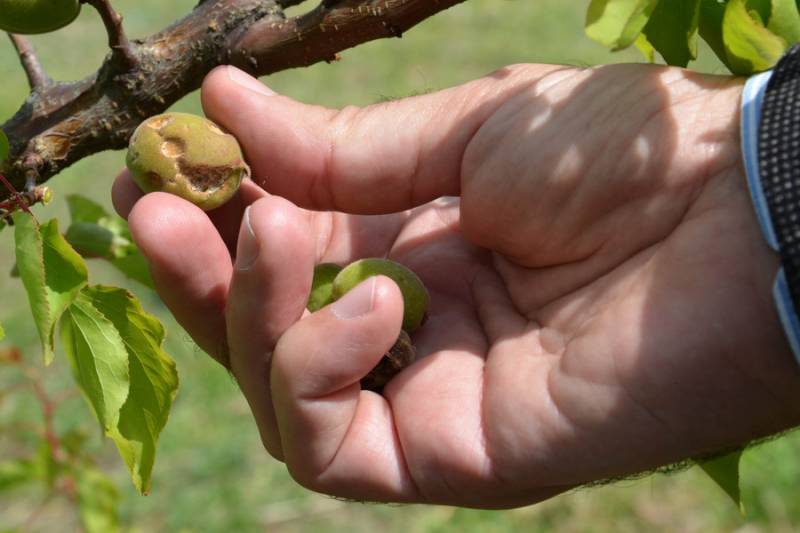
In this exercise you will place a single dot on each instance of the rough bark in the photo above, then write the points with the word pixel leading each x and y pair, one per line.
pixel 61 123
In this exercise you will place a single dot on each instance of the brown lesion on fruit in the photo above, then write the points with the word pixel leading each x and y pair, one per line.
pixel 173 147
pixel 204 178
pixel 154 180
pixel 159 123
pixel 399 356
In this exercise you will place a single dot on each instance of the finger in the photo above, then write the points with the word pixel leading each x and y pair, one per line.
pixel 124 194
pixel 189 263
pixel 227 218
pixel 379 159
pixel 337 438
pixel 268 293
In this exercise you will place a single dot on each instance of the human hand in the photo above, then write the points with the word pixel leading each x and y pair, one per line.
pixel 600 290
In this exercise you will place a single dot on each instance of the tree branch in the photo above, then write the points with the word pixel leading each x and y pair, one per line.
pixel 268 46
pixel 123 52
pixel 62 123
pixel 37 77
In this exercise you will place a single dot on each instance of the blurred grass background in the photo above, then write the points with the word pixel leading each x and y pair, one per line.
pixel 211 473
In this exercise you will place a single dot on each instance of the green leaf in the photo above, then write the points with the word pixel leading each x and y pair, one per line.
pixel 41 467
pixel 115 349
pixel 760 10
pixel 93 240
pixel 672 30
pixel 135 267
pixel 712 12
pixel 2 332
pixel 99 359
pixel 749 46
pixel 95 233
pixel 724 470
pixel 4 148
pixel 82 209
pixel 15 473
pixel 98 501
pixel 52 272
pixel 45 466
pixel 646 48
pixel 785 20
pixel 617 23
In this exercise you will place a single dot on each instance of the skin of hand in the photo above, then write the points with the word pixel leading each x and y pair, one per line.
pixel 600 290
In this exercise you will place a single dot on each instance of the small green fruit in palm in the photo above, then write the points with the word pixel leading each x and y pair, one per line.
pixel 37 16
pixel 415 295
pixel 189 156
pixel 322 286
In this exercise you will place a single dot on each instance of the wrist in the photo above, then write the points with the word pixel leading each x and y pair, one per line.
pixel 768 384
pixel 757 347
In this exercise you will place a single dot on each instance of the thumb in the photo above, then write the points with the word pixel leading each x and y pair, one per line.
pixel 378 159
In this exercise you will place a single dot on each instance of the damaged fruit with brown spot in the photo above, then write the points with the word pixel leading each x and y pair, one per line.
pixel 188 156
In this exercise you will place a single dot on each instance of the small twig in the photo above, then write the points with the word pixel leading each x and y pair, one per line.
pixel 122 49
pixel 48 407
pixel 16 197
pixel 37 512
pixel 37 77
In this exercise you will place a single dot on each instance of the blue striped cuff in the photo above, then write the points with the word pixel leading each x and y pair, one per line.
pixel 752 100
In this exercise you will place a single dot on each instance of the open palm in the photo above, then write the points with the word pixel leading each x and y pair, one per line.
pixel 600 292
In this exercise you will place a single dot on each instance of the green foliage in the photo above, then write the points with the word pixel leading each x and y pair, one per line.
pixel 712 13
pixel 785 20
pixel 724 470
pixel 93 232
pixel 114 347
pixel 98 500
pixel 672 30
pixel 749 45
pixel 16 472
pixel 52 272
pixel 748 36
pixel 130 382
pixel 617 23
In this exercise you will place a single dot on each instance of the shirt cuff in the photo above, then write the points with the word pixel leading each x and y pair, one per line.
pixel 752 100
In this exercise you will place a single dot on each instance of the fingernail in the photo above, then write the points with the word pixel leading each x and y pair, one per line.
pixel 243 79
pixel 247 249
pixel 357 302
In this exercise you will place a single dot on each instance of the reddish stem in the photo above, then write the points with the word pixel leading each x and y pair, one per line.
pixel 15 195
pixel 48 407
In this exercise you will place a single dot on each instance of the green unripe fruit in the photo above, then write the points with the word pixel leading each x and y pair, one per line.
pixel 415 295
pixel 188 156
pixel 37 16
pixel 322 286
